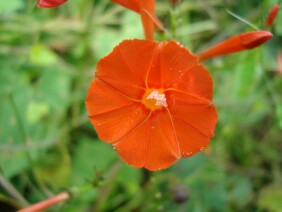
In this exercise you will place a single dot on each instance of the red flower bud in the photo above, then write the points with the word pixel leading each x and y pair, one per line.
pixel 272 15
pixel 248 40
pixel 49 3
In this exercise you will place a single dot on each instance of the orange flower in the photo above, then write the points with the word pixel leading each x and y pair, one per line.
pixel 49 3
pixel 153 102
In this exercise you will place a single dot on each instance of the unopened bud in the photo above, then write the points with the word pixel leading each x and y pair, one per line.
pixel 244 41
pixel 272 15
pixel 49 3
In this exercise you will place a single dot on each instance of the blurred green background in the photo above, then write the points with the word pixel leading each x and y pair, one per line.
pixel 47 144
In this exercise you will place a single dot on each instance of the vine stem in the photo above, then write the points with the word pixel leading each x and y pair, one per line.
pixel 9 188
pixel 99 181
pixel 20 125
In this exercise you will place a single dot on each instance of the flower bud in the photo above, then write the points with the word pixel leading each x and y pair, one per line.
pixel 49 3
pixel 244 41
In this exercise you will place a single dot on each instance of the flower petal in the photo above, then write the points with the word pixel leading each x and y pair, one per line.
pixel 102 99
pixel 152 145
pixel 190 139
pixel 171 61
pixel 196 81
pixel 112 114
pixel 199 113
pixel 125 68
pixel 133 147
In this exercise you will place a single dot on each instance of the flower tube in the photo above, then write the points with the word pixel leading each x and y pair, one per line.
pixel 244 41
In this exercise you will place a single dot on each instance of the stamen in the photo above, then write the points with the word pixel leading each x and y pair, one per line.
pixel 160 98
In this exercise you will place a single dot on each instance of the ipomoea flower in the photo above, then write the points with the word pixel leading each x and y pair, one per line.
pixel 153 102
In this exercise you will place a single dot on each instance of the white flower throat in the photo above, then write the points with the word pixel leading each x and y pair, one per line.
pixel 160 98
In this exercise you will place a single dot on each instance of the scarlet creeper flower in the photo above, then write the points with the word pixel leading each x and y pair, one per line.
pixel 244 41
pixel 272 15
pixel 50 3
pixel 153 102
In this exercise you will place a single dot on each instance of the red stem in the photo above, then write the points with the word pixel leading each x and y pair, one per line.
pixel 40 206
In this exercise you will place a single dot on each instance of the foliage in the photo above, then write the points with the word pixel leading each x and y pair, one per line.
pixel 47 60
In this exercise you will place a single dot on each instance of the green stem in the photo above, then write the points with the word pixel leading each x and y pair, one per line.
pixel 26 143
pixel 173 22
pixel 76 191
pixel 20 125
pixel 11 190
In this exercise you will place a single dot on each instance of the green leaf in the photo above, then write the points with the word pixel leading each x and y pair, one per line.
pixel 270 198
pixel 54 171
pixel 41 55
pixel 277 24
pixel 54 88
pixel 12 147
pixel 240 190
pixel 91 156
pixel 36 111
pixel 246 74
pixel 10 6
pixel 107 39
pixel 278 111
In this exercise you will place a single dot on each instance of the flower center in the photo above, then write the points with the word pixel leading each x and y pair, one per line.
pixel 154 99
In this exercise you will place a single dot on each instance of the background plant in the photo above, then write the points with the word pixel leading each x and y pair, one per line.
pixel 47 144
